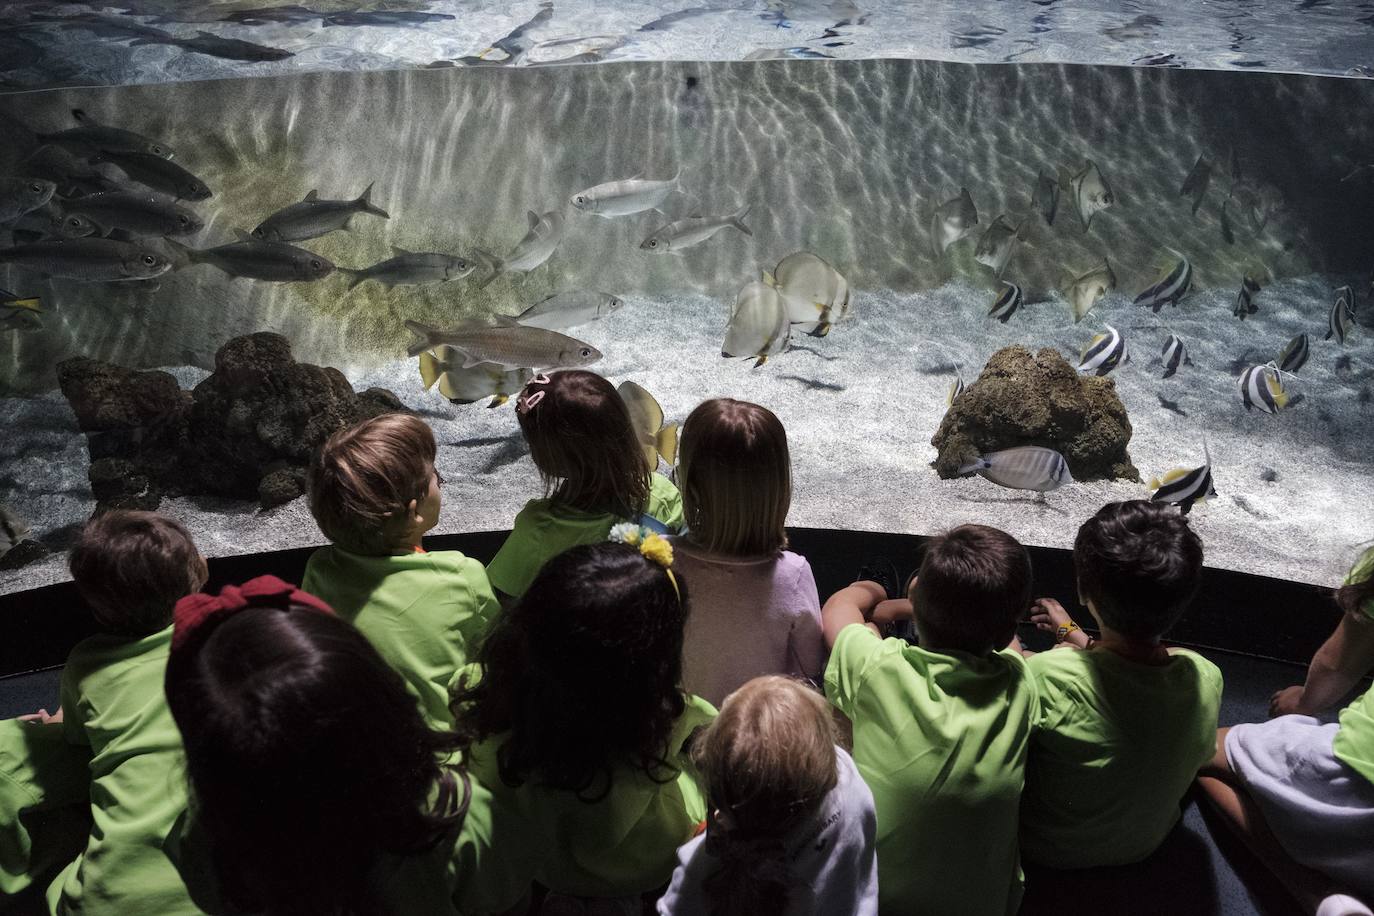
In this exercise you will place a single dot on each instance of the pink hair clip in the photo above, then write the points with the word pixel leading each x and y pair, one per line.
pixel 525 403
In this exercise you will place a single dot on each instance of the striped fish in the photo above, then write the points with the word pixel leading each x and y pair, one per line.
pixel 1026 467
pixel 1104 353
pixel 1183 487
pixel 1169 290
pixel 1174 354
pixel 1007 303
pixel 1342 315
pixel 1245 299
pixel 1260 389
pixel 1294 356
pixel 956 388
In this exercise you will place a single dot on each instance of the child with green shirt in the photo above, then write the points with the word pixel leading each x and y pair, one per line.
pixel 941 729
pixel 1125 722
pixel 575 717
pixel 585 447
pixel 375 492
pixel 131 568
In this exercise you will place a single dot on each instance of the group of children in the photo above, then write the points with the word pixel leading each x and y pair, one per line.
pixel 410 732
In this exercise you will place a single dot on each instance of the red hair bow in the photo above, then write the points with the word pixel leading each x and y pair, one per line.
pixel 264 591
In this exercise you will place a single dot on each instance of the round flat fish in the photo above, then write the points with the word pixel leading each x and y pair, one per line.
pixel 759 326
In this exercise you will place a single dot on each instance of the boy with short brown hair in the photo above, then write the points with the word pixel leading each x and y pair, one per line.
pixel 374 492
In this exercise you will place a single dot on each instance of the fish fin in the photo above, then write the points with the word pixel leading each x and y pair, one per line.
pixel 737 219
pixel 769 279
pixel 1171 475
pixel 498 400
pixel 532 217
pixel 446 388
pixel 82 118
pixel 242 235
pixel 504 321
pixel 971 467
pixel 1276 389
pixel 491 261
pixel 666 442
pixel 761 361
pixel 355 277
pixel 399 252
pixel 311 196
pixel 424 337
pixel 430 371
pixel 1154 483
pixel 367 206
pixel 1065 179
pixel 469 360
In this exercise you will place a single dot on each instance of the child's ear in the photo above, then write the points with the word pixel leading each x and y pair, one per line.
pixel 412 509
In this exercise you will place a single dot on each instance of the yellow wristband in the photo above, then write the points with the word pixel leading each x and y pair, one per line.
pixel 1062 633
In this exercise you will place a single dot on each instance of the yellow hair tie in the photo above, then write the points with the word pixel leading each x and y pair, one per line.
pixel 652 546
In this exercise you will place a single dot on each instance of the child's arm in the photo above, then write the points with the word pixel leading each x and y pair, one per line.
pixel 42 716
pixel 852 604
pixel 1345 657
pixel 1049 615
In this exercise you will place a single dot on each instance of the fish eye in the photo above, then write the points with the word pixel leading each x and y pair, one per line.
pixel 579 199
pixel 74 222
pixel 36 188
pixel 315 264
pixel 183 219
pixel 149 260
pixel 586 352
pixel 653 243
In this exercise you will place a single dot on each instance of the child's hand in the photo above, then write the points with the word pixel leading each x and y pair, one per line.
pixel 43 717
pixel 1049 615
pixel 1286 702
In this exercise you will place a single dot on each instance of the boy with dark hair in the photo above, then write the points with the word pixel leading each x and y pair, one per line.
pixel 375 493
pixel 1125 722
pixel 132 568
pixel 941 729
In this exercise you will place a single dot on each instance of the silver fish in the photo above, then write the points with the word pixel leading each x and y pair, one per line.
pixel 1171 288
pixel 312 217
pixel 997 244
pixel 569 309
pixel 694 230
pixel 157 173
pixel 505 344
pixel 1196 182
pixel 88 259
pixel 93 136
pixel 49 220
pixel 1260 389
pixel 758 327
pixel 22 195
pixel 1245 299
pixel 1045 198
pixel 621 198
pixel 1294 355
pixel 137 214
pixel 538 245
pixel 1026 467
pixel 1089 192
pixel 1104 353
pixel 72 174
pixel 13 529
pixel 1084 292
pixel 1342 317
pixel 1183 486
pixel 646 416
pixel 412 268
pixel 255 259
pixel 467 386
pixel 814 294
pixel 1006 304
pixel 952 220
pixel 218 46
pixel 1174 354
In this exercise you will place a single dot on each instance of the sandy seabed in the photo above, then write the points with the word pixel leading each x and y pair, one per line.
pixel 860 406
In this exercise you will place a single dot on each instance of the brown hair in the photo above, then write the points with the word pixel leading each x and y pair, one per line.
pixel 132 568
pixel 1140 564
pixel 973 586
pixel 767 762
pixel 736 477
pixel 363 478
pixel 583 443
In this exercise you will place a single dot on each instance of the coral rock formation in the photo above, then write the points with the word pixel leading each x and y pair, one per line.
pixel 246 432
pixel 1024 398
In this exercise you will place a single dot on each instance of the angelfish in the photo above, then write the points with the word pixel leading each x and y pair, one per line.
pixel 997 244
pixel 1245 299
pixel 1104 353
pixel 1184 486
pixel 1342 316
pixel 1171 288
pixel 1084 292
pixel 1294 356
pixel 1026 467
pixel 1089 191
pixel 621 198
pixel 952 220
pixel 1045 199
pixel 759 326
pixel 1196 182
pixel 545 232
pixel 814 294
pixel 467 386
pixel 1260 389
pixel 646 416
pixel 1007 302
pixel 1174 354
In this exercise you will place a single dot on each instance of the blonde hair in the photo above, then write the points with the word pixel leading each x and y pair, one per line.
pixel 768 762
pixel 364 477
pixel 735 473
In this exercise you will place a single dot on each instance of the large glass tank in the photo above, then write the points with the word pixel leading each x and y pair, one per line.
pixel 914 173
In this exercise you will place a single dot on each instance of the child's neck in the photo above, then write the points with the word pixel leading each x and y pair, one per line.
pixel 1144 652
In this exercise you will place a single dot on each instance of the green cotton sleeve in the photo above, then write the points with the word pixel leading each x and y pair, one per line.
pixel 518 561
pixel 44 801
pixel 74 712
pixel 854 648
pixel 481 600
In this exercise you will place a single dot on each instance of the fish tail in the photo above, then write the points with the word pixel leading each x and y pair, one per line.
pixel 365 203
pixel 29 304
pixel 187 253
pixel 424 337
pixel 666 442
pixel 355 277
pixel 737 219
pixel 761 361
pixel 430 370
pixel 1154 483
pixel 491 261
pixel 498 400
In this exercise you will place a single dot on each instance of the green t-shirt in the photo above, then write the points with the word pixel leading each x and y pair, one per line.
pixel 621 844
pixel 1117 746
pixel 539 534
pixel 45 784
pixel 425 613
pixel 941 740
pixel 113 702
pixel 1354 742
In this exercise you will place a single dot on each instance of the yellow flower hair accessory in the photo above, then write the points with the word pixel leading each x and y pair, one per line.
pixel 655 547
pixel 652 546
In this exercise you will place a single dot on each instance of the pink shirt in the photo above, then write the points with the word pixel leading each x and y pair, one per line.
pixel 750 616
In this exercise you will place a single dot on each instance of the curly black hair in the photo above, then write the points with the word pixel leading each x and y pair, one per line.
pixel 582 674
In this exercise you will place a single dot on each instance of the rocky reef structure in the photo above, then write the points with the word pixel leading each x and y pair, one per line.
pixel 245 432
pixel 1025 398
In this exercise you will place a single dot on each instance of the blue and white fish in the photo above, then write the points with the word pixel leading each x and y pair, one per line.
pixel 1104 353
pixel 1169 290
pixel 1174 354
pixel 1294 356
pixel 1260 389
pixel 1026 467
pixel 1245 299
pixel 1184 486
pixel 1006 304
pixel 1342 315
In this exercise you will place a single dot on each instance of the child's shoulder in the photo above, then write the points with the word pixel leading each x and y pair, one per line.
pixel 107 653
